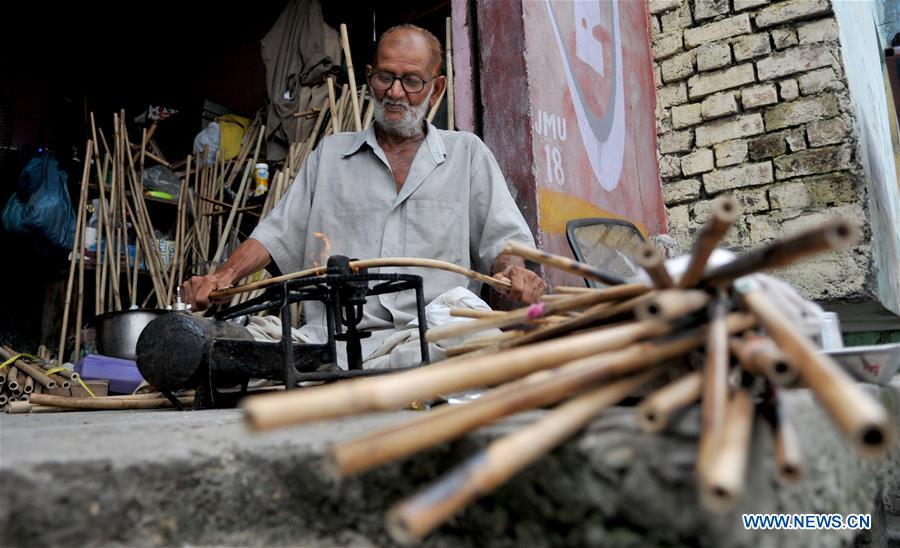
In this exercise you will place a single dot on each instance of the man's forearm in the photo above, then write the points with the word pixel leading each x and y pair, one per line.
pixel 248 258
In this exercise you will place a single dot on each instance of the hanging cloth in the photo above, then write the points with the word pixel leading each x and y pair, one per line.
pixel 299 52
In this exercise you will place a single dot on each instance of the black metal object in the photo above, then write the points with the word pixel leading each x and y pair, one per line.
pixel 181 350
pixel 344 293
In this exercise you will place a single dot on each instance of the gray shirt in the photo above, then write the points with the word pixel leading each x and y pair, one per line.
pixel 454 206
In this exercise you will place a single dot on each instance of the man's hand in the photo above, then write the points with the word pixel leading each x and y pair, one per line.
pixel 196 290
pixel 527 286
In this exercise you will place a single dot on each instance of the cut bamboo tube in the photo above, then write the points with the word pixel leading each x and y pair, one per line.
pixel 536 390
pixel 449 52
pixel 671 304
pixel 351 77
pixel 657 409
pixel 562 263
pixel 858 415
pixel 3 401
pixel 82 199
pixel 715 371
pixel 12 378
pixel 521 315
pixel 28 388
pixel 370 263
pixel 835 234
pixel 785 443
pixel 722 480
pixel 760 356
pixel 32 371
pixel 724 212
pixel 394 391
pixel 412 518
pixel 652 261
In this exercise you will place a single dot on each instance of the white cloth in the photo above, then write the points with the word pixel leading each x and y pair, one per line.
pixel 454 206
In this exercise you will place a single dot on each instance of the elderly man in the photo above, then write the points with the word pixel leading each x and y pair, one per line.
pixel 401 188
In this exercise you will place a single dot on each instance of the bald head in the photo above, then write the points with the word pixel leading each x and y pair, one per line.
pixel 409 36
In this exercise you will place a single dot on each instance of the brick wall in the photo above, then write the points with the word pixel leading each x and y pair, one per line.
pixel 752 101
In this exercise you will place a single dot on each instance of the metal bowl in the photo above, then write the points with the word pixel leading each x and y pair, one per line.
pixel 876 363
pixel 118 332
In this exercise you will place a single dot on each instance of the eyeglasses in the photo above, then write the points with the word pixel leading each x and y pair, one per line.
pixel 382 81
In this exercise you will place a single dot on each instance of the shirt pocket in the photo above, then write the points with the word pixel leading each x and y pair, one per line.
pixel 436 229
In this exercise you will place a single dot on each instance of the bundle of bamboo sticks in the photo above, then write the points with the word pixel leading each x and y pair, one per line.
pixel 582 350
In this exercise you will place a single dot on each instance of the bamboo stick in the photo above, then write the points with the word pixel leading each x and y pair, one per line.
pixel 351 77
pixel 370 263
pixel 393 391
pixel 657 409
pixel 335 124
pixel 449 51
pixel 562 263
pixel 432 112
pixel 835 234
pixel 412 518
pixel 104 403
pixel 759 356
pixel 670 304
pixel 858 415
pixel 725 212
pixel 79 310
pixel 785 443
pixel 78 224
pixel 652 261
pixel 521 315
pixel 722 479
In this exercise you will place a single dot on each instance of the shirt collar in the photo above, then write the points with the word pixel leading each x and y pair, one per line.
pixel 433 141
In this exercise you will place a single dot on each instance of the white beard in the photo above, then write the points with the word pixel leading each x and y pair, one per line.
pixel 411 123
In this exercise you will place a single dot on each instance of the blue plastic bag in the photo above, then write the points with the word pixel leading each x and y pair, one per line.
pixel 41 204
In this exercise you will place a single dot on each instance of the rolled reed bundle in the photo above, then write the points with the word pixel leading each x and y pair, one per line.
pixel 413 517
pixel 723 214
pixel 858 415
pixel 657 409
pixel 394 391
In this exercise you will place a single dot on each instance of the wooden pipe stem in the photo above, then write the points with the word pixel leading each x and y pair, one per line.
pixel 370 263
pixel 715 370
pixel 653 262
pixel 536 390
pixel 393 391
pixel 562 263
pixel 671 304
pixel 831 235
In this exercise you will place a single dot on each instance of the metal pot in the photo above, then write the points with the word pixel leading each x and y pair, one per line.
pixel 118 332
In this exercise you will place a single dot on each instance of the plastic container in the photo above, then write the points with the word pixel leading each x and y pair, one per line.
pixel 123 375
pixel 261 176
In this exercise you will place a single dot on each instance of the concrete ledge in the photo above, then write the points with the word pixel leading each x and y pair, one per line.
pixel 165 478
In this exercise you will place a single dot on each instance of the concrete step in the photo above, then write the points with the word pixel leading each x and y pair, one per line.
pixel 162 478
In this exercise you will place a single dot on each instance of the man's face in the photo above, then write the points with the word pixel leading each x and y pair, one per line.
pixel 397 110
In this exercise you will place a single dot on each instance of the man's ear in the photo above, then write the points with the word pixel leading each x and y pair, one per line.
pixel 440 83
